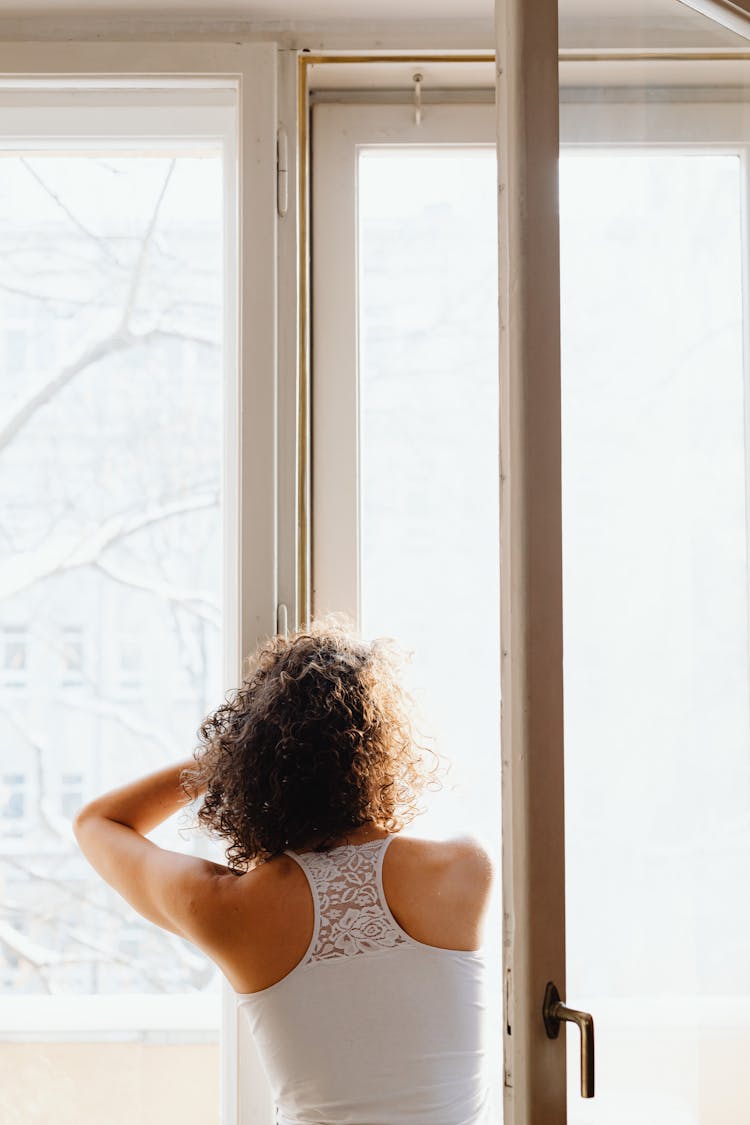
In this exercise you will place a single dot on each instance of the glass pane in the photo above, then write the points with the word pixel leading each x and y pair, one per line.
pixel 429 448
pixel 111 311
pixel 656 659
pixel 429 458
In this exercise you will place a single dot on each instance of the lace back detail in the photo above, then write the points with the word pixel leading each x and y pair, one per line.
pixel 350 913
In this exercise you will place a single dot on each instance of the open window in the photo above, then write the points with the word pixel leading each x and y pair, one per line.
pixel 654 253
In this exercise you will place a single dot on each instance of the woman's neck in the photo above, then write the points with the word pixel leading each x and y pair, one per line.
pixel 360 835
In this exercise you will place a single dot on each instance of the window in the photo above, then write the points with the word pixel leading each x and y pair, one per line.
pixel 73 656
pixel 71 794
pixel 405 415
pixel 14 804
pixel 16 349
pixel 654 317
pixel 133 103
pixel 129 667
pixel 159 1046
pixel 15 656
pixel 113 508
pixel 654 238
pixel 407 536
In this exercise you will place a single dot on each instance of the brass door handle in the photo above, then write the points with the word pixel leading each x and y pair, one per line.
pixel 554 1012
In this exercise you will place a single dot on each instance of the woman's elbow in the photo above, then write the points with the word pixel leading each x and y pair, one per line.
pixel 83 819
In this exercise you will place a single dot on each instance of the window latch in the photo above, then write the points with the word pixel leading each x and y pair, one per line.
pixel 282 172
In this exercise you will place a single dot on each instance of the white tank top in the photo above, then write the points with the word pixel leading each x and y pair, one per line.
pixel 371 1027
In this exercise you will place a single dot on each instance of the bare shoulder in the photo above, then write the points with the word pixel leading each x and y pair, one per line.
pixel 262 888
pixel 439 890
pixel 462 865
pixel 460 852
pixel 470 852
pixel 248 904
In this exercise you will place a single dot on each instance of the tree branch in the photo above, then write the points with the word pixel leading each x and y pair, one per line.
pixel 101 243
pixel 17 291
pixel 26 568
pixel 114 342
pixel 137 275
pixel 48 816
pixel 106 709
pixel 192 601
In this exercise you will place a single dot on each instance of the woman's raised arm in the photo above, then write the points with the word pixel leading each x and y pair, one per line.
pixel 180 893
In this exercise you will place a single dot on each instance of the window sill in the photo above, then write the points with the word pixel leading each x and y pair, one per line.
pixel 185 1018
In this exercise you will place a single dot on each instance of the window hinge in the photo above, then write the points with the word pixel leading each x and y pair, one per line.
pixel 282 172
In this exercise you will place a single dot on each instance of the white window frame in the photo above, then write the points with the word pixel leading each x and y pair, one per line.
pixel 256 569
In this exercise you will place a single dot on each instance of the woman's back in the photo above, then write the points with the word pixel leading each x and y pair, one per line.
pixel 358 968
pixel 372 1026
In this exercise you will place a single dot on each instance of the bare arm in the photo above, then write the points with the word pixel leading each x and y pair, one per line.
pixel 178 892
pixel 142 804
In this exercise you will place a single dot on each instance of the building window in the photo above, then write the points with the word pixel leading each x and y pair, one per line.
pixel 15 656
pixel 14 805
pixel 71 794
pixel 129 667
pixel 16 350
pixel 73 653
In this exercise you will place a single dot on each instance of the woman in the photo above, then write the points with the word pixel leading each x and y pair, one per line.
pixel 353 950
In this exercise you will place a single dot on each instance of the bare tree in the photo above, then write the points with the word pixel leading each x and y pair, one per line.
pixel 143 539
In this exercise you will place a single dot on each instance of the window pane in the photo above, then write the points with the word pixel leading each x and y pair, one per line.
pixel 656 668
pixel 429 470
pixel 111 299
pixel 429 449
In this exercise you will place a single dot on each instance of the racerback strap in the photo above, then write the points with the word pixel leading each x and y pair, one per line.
pixel 351 914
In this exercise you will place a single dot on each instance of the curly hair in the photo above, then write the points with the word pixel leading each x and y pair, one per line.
pixel 317 740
